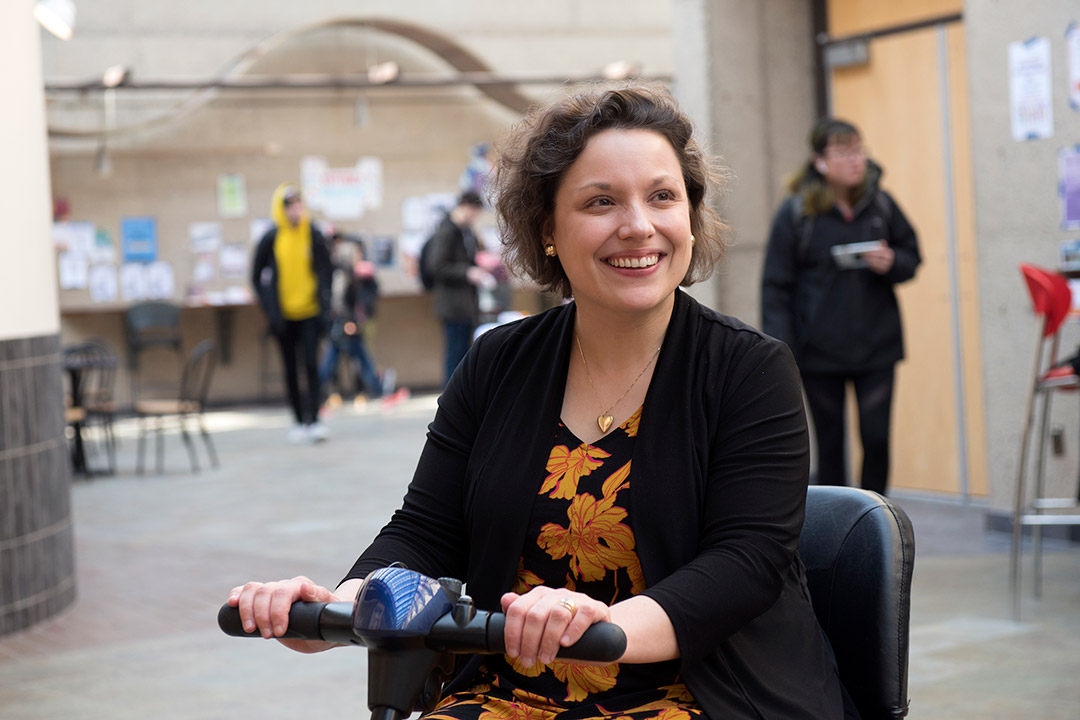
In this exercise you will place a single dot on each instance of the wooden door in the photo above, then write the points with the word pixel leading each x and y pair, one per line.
pixel 910 102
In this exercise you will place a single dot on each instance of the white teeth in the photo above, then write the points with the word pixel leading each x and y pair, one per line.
pixel 637 262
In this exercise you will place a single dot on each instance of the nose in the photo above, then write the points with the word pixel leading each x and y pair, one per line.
pixel 636 222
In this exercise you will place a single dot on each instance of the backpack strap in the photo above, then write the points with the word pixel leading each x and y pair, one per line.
pixel 805 223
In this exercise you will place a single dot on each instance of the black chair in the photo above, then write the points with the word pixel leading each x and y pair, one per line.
pixel 194 388
pixel 91 367
pixel 149 325
pixel 859 552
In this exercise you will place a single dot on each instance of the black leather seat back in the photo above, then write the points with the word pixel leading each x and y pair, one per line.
pixel 859 552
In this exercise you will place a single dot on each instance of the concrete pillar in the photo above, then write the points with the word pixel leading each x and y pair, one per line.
pixel 745 73
pixel 37 577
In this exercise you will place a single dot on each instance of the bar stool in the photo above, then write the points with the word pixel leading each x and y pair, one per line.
pixel 1051 299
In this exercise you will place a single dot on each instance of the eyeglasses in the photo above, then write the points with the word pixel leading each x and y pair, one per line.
pixel 845 152
pixel 291 200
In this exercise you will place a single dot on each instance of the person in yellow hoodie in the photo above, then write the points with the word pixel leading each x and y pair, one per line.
pixel 291 275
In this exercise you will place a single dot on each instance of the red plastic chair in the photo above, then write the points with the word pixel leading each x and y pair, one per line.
pixel 1051 299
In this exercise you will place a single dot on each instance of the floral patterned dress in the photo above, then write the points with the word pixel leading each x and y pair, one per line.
pixel 579 538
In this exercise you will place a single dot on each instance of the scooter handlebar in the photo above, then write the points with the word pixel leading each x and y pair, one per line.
pixel 332 622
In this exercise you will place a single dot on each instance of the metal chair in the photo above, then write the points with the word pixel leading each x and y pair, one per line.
pixel 1051 299
pixel 194 387
pixel 859 553
pixel 148 325
pixel 91 367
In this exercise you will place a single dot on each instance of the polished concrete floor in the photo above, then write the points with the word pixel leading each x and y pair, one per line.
pixel 157 554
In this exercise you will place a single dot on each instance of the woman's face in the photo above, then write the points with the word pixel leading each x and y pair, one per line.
pixel 844 162
pixel 621 222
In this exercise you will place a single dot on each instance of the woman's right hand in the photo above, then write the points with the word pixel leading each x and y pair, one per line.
pixel 265 607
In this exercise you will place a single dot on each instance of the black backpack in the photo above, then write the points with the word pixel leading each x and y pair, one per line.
pixel 427 273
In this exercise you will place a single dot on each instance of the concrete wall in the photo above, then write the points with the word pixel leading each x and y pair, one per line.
pixel 37 572
pixel 746 74
pixel 422 136
pixel 1017 220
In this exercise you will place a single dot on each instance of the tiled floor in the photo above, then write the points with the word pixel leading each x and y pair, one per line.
pixel 156 556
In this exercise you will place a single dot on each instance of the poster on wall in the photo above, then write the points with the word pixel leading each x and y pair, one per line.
pixel 1031 102
pixel 342 193
pixel 233 260
pixel 1069 186
pixel 103 250
pixel 104 285
pixel 231 195
pixel 259 227
pixel 133 282
pixel 76 237
pixel 205 237
pixel 138 238
pixel 1072 59
pixel 73 269
pixel 159 281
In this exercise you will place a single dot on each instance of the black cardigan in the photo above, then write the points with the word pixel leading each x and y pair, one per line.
pixel 721 462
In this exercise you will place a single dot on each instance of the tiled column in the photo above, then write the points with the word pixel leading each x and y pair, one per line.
pixel 37 576
pixel 37 573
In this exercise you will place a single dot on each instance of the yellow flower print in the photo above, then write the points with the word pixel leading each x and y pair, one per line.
pixel 616 481
pixel 525 580
pixel 677 692
pixel 632 423
pixel 634 572
pixel 595 540
pixel 498 709
pixel 534 671
pixel 566 467
pixel 584 679
pixel 537 701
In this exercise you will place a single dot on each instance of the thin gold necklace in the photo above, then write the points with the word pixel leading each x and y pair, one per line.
pixel 604 419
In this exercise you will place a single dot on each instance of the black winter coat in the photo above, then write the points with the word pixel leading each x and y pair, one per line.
pixel 837 321
pixel 451 258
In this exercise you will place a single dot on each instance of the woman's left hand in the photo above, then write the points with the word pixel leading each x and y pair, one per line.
pixel 880 259
pixel 544 619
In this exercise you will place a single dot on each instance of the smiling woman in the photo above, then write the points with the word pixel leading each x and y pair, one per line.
pixel 630 456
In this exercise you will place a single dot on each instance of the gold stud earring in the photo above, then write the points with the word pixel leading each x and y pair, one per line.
pixel 550 250
pixel 692 241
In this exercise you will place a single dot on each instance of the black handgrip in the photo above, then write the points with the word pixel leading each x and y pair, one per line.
pixel 602 642
pixel 307 621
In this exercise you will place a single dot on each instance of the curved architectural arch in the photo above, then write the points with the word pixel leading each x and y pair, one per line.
pixel 456 55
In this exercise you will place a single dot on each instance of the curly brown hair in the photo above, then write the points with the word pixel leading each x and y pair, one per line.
pixel 540 149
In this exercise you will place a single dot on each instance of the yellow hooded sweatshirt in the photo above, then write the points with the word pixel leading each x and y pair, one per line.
pixel 298 286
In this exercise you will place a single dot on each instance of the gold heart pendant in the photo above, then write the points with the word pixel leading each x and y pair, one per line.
pixel 604 422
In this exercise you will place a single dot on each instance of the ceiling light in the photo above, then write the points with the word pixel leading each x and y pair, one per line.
pixel 56 16
pixel 621 70
pixel 383 72
pixel 115 75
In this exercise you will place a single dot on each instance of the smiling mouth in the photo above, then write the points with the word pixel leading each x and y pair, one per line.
pixel 635 262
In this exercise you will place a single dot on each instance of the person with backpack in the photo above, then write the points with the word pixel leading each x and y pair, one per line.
pixel 839 244
pixel 449 260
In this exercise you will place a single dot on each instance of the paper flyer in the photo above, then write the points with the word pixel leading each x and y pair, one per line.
pixel 104 285
pixel 1031 102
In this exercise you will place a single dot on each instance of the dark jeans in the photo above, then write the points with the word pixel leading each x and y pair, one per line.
pixel 355 346
pixel 873 395
pixel 458 339
pixel 301 335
